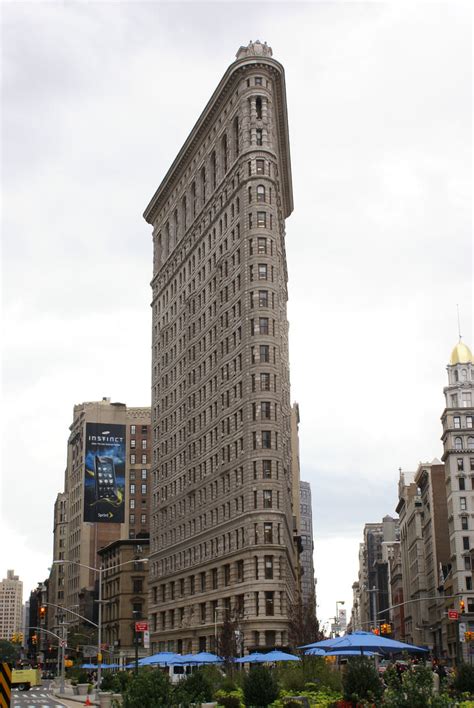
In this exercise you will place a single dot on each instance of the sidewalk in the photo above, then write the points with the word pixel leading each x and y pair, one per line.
pixel 70 700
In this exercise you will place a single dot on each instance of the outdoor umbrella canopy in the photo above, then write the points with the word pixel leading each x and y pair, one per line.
pixel 254 658
pixel 163 657
pixel 279 656
pixel 89 666
pixel 204 657
pixel 363 642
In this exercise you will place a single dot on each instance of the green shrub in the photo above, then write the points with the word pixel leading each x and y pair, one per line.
pixel 150 688
pixel 361 681
pixel 260 687
pixel 229 700
pixel 415 690
pixel 312 672
pixel 115 682
pixel 464 679
pixel 195 688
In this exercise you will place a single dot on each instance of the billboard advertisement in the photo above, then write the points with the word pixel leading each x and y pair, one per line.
pixel 104 476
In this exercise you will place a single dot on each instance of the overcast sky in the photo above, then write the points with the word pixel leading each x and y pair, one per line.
pixel 98 98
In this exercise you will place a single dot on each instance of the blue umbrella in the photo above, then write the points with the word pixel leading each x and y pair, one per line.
pixel 279 656
pixel 204 657
pixel 364 641
pixel 89 666
pixel 162 657
pixel 254 658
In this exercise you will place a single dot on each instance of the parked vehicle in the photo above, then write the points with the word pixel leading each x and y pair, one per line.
pixel 24 679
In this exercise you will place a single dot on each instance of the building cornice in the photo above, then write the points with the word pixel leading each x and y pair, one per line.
pixel 224 89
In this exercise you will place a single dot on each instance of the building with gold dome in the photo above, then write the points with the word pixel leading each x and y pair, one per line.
pixel 458 441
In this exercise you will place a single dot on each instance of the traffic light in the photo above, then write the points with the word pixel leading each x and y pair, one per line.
pixel 376 631
pixel 34 639
pixel 14 638
pixel 20 638
pixel 468 636
pixel 42 612
pixel 462 607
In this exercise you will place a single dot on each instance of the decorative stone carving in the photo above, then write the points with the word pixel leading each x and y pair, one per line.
pixel 255 49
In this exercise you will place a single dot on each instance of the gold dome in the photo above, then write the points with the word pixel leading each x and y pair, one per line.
pixel 461 354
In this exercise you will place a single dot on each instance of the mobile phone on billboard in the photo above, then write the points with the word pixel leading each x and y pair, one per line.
pixel 105 481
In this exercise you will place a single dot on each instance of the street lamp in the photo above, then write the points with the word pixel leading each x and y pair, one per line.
pixel 99 570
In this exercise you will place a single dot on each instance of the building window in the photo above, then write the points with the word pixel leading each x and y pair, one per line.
pixel 144 444
pixel 264 353
pixel 462 503
pixel 132 503
pixel 263 298
pixel 236 136
pixel 260 193
pixel 468 583
pixel 267 498
pixel 144 459
pixel 263 325
pixel 258 81
pixel 261 219
pixel 133 430
pixel 454 400
pixel 467 563
pixel 137 584
pixel 464 523
pixel 259 135
pixel 131 519
pixel 264 381
pixel 132 489
pixel 214 579
pixel 470 443
pixel 457 421
pixel 268 532
pixel 471 463
pixel 262 271
pixel 465 543
pixel 458 443
pixel 268 561
pixel 202 577
pixel 260 167
pixel 466 397
pixel 265 410
pixel 266 469
pixel 143 488
pixel 460 464
pixel 203 612
pixel 269 603
pixel 133 459
pixel 191 585
pixel 144 474
pixel 227 574
pixel 240 571
pixel 462 484
pixel 143 519
pixel 133 444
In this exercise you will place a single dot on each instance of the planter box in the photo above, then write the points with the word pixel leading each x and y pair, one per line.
pixel 105 698
pixel 82 689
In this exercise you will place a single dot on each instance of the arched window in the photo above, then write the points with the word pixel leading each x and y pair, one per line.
pixel 470 443
pixel 250 195
pixel 258 106
pixel 464 374
pixel 456 375
pixel 260 193
pixel 458 443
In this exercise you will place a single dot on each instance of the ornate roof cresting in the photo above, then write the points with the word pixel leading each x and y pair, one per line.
pixel 254 49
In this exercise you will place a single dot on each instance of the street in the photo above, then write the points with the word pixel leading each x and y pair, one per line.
pixel 37 697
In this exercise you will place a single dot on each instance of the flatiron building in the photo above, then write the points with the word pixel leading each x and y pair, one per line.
pixel 223 536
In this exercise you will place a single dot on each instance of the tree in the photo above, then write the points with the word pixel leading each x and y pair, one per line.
pixel 8 652
pixel 260 687
pixel 415 690
pixel 195 688
pixel 150 688
pixel 303 625
pixel 227 642
pixel 361 682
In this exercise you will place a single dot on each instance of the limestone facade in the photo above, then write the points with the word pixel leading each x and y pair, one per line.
pixel 222 535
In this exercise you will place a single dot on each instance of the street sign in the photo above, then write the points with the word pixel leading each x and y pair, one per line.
pixel 141 626
pixel 146 640
pixel 453 614
pixel 88 651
